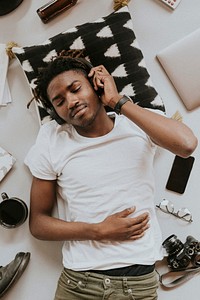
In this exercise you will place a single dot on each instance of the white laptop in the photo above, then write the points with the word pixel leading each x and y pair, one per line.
pixel 181 62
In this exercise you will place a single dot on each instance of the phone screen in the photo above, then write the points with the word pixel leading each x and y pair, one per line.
pixel 179 174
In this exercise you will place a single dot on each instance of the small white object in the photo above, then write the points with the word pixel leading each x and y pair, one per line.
pixel 7 161
pixel 171 3
pixel 5 96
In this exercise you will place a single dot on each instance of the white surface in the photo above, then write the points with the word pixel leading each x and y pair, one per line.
pixel 156 27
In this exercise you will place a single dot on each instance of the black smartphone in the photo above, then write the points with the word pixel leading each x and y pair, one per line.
pixel 179 174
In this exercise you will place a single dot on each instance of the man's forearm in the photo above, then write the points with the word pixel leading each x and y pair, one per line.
pixel 165 132
pixel 116 227
pixel 53 229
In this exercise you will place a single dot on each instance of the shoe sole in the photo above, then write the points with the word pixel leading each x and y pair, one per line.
pixel 19 272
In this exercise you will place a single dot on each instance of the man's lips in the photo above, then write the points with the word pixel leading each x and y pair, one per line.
pixel 78 110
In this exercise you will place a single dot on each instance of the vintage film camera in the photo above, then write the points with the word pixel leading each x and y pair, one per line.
pixel 180 255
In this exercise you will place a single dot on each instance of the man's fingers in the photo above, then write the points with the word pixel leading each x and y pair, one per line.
pixel 136 237
pixel 138 229
pixel 138 233
pixel 126 212
pixel 98 73
pixel 99 69
pixel 141 218
pixel 123 227
pixel 91 73
pixel 134 220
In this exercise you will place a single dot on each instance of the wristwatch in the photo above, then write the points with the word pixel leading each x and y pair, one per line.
pixel 121 102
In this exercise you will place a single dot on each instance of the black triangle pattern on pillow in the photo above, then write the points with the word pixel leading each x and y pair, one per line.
pixel 110 41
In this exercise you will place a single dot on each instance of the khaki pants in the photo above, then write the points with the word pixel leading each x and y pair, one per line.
pixel 92 286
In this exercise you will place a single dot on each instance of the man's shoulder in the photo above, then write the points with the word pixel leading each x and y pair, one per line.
pixel 46 131
pixel 51 131
pixel 49 125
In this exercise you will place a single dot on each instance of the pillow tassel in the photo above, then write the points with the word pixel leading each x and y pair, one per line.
pixel 120 3
pixel 9 47
pixel 177 116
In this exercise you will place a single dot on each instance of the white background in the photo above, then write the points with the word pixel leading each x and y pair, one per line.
pixel 156 27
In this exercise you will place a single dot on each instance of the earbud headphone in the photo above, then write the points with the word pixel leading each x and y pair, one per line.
pixel 51 111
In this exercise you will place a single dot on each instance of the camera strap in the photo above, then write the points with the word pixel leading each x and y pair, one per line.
pixel 180 277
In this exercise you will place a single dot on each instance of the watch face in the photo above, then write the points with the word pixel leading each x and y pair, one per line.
pixel 6 6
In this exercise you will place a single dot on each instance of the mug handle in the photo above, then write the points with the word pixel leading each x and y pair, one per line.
pixel 4 196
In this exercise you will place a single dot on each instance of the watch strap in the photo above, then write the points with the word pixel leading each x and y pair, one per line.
pixel 120 103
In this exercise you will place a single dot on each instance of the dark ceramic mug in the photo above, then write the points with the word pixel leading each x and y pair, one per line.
pixel 13 211
pixel 6 6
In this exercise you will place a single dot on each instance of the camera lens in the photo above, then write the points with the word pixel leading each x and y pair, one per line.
pixel 172 244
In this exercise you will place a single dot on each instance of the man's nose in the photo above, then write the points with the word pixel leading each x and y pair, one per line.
pixel 72 102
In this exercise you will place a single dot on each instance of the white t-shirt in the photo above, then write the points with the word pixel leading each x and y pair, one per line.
pixel 98 177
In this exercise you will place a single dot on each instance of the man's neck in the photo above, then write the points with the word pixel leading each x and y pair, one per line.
pixel 100 127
